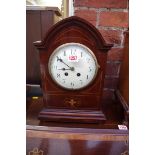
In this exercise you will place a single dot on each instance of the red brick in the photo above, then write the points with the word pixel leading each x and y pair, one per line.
pixel 89 15
pixel 111 83
pixel 112 36
pixel 115 54
pixel 115 19
pixel 112 69
pixel 102 3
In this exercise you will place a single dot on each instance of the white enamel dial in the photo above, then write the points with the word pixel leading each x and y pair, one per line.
pixel 73 66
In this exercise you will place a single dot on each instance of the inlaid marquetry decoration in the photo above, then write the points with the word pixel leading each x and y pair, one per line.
pixel 36 151
pixel 125 153
pixel 72 102
pixel 127 142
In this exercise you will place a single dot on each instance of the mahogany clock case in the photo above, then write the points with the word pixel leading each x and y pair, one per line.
pixel 78 103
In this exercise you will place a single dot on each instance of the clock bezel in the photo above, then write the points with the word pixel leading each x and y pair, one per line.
pixel 83 46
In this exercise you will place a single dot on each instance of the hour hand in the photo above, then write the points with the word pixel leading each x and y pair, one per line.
pixel 64 69
pixel 71 68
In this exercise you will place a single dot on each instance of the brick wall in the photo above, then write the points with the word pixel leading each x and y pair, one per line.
pixel 110 17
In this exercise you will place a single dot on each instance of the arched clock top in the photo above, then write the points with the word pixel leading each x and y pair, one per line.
pixel 78 23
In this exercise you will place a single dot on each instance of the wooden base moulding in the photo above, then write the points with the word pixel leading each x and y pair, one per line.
pixel 65 115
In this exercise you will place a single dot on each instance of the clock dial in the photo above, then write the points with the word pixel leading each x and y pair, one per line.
pixel 73 66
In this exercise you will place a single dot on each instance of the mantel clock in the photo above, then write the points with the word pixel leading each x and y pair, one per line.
pixel 73 62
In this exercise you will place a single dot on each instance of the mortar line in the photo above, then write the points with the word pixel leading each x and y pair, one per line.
pixel 102 9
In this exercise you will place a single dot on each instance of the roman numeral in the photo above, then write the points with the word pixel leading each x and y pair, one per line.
pixel 90 69
pixel 58 75
pixel 87 76
pixel 72 84
pixel 55 67
pixel 88 60
pixel 64 53
pixel 81 81
pixel 57 58
pixel 81 54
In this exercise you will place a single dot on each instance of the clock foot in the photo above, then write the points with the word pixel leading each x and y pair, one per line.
pixel 65 115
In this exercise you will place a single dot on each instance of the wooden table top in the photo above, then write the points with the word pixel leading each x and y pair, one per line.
pixel 73 138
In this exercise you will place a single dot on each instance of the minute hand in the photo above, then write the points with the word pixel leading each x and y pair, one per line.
pixel 71 68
